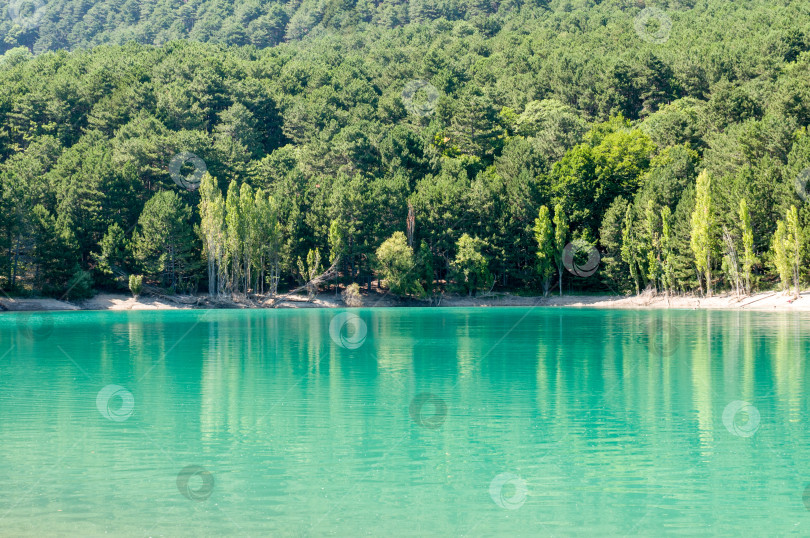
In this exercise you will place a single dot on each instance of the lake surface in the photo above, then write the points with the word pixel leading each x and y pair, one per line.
pixel 404 422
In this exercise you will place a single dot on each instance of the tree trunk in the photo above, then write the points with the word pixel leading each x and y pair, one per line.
pixel 14 265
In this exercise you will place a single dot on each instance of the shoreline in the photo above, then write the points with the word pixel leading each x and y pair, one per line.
pixel 765 301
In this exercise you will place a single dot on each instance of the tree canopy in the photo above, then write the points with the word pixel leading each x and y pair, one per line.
pixel 286 130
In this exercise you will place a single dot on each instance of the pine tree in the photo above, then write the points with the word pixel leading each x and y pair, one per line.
pixel 55 256
pixel 164 240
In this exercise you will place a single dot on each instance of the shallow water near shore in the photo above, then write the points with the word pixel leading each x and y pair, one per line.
pixel 404 422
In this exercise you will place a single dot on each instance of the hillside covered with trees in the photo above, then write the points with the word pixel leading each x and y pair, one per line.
pixel 450 145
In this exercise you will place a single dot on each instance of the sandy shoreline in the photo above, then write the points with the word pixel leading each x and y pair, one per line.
pixel 766 301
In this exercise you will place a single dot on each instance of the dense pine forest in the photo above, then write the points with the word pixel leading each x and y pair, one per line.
pixel 457 145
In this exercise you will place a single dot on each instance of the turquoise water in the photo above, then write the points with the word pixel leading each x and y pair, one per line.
pixel 404 422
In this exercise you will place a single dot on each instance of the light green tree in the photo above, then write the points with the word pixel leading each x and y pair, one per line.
pixel 212 228
pixel 781 258
pixel 653 245
pixel 544 236
pixel 560 238
pixel 396 266
pixel 702 228
pixel 337 244
pixel 630 247
pixel 248 224
pixel 749 259
pixel 309 270
pixel 267 242
pixel 794 249
pixel 471 266
pixel 667 250
pixel 233 237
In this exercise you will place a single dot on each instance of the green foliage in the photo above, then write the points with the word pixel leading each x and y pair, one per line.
pixel 544 236
pixel 55 254
pixel 667 250
pixel 425 268
pixel 630 247
pixel 560 239
pixel 396 265
pixel 471 265
pixel 308 270
pixel 351 295
pixel 136 284
pixel 703 223
pixel 164 241
pixel 614 269
pixel 113 260
pixel 794 246
pixel 80 286
pixel 781 254
pixel 296 109
pixel 749 259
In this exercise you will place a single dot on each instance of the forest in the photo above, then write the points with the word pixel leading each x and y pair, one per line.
pixel 459 146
